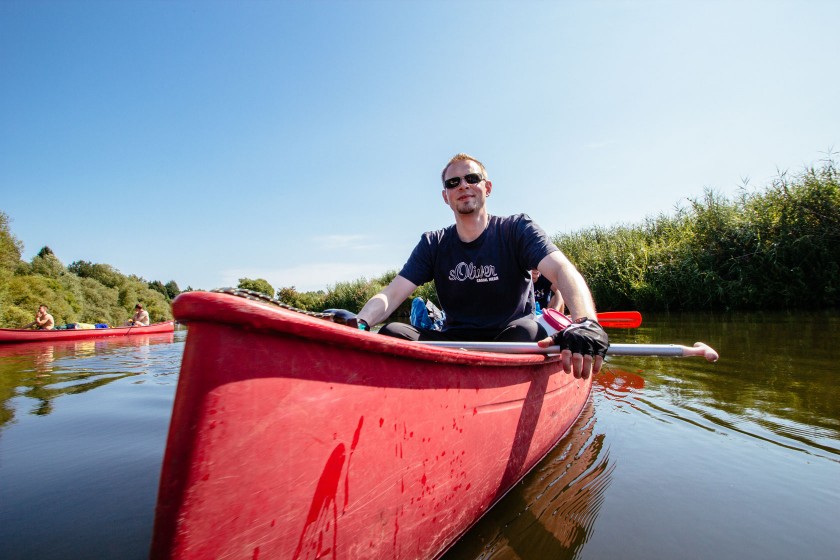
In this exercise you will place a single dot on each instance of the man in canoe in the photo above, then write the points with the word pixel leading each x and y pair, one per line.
pixel 140 318
pixel 480 266
pixel 43 320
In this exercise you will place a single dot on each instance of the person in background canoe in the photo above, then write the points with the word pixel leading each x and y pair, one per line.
pixel 140 318
pixel 43 320
pixel 480 266
pixel 546 294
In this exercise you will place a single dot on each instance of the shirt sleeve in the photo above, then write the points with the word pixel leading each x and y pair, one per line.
pixel 534 242
pixel 419 268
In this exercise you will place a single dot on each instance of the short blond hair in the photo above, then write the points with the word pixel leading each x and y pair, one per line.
pixel 462 157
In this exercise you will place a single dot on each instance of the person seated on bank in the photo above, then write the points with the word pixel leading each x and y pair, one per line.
pixel 140 318
pixel 546 294
pixel 43 320
pixel 480 266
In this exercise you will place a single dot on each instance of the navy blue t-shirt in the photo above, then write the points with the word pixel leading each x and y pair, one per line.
pixel 486 283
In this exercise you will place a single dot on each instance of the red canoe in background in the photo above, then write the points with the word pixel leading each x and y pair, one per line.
pixel 25 335
pixel 295 437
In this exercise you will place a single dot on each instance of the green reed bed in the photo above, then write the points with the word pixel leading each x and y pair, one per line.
pixel 353 295
pixel 769 249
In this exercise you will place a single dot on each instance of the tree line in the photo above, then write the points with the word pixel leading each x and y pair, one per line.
pixel 81 292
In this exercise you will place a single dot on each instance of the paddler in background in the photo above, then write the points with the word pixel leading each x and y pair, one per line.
pixel 480 266
pixel 546 294
pixel 140 318
pixel 43 320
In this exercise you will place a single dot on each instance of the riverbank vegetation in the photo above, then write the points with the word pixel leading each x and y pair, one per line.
pixel 82 292
pixel 777 247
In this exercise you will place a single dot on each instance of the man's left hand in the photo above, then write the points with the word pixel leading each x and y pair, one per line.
pixel 344 317
pixel 584 344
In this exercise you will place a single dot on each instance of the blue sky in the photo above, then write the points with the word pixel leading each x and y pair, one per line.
pixel 302 142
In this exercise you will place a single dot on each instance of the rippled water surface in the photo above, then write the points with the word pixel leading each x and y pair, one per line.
pixel 676 458
pixel 671 458
pixel 83 429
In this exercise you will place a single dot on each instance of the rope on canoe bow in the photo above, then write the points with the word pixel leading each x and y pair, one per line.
pixel 258 296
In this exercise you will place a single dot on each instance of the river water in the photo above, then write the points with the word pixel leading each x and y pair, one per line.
pixel 671 458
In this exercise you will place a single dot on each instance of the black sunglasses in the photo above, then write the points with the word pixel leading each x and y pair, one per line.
pixel 470 178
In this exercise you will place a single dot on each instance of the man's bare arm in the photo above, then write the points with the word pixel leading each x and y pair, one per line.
pixel 573 289
pixel 380 306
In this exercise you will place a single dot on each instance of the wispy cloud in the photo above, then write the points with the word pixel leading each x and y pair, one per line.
pixel 345 242
pixel 598 144
pixel 306 278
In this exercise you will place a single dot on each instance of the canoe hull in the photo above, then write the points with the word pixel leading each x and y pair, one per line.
pixel 293 437
pixel 13 336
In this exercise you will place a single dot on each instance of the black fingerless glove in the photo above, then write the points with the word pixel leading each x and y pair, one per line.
pixel 584 336
pixel 344 317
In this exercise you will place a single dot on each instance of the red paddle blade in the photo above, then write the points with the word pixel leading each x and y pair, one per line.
pixel 613 319
pixel 620 319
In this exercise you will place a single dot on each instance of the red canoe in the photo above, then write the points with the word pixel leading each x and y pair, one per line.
pixel 24 335
pixel 295 437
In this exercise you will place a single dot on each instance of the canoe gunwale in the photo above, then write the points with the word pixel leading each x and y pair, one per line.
pixel 269 319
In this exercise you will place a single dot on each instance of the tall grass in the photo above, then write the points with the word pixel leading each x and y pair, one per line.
pixel 777 248
pixel 353 295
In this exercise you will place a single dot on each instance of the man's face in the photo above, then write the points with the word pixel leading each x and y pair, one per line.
pixel 466 198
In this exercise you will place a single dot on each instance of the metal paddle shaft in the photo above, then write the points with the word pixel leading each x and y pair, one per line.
pixel 662 350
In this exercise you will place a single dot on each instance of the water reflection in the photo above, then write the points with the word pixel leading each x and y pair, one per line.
pixel 44 359
pixel 774 381
pixel 550 514
pixel 742 423
pixel 616 384
pixel 43 371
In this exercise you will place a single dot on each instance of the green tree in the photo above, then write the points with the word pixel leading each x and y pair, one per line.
pixel 172 289
pixel 26 293
pixel 103 273
pixel 310 301
pixel 101 304
pixel 10 251
pixel 158 286
pixel 46 263
pixel 10 247
pixel 259 285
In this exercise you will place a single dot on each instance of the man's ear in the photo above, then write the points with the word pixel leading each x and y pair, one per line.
pixel 445 194
pixel 488 187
